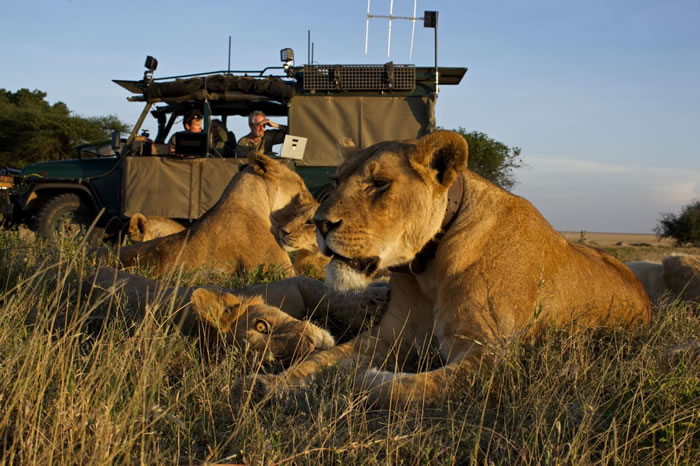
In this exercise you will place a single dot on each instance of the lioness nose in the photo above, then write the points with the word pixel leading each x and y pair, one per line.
pixel 325 226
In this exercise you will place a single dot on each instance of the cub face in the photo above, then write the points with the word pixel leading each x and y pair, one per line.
pixel 293 225
pixel 388 202
pixel 270 333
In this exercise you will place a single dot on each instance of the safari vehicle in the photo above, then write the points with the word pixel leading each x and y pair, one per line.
pixel 108 183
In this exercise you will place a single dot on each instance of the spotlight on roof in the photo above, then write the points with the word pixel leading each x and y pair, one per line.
pixel 151 65
pixel 287 57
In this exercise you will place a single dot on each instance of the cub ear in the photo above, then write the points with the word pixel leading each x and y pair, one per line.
pixel 261 163
pixel 221 309
pixel 440 156
pixel 137 227
pixel 303 198
pixel 347 148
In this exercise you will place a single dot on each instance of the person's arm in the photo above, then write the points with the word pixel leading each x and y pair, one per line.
pixel 276 136
pixel 272 124
pixel 171 143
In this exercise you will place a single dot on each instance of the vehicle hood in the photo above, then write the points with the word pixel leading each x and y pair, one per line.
pixel 71 169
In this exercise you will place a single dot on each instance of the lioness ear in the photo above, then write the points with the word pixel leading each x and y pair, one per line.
pixel 261 163
pixel 440 156
pixel 346 147
pixel 137 227
pixel 221 310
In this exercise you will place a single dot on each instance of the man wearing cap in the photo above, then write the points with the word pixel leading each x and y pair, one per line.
pixel 258 139
pixel 192 123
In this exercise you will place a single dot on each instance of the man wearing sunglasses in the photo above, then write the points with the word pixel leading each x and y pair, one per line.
pixel 258 139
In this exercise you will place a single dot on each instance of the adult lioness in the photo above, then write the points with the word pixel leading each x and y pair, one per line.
pixel 295 232
pixel 235 233
pixel 473 264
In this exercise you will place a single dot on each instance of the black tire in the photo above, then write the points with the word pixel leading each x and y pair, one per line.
pixel 67 215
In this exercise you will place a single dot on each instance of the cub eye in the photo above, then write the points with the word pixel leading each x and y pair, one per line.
pixel 381 185
pixel 309 222
pixel 262 327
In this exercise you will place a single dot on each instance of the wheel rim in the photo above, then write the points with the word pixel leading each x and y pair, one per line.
pixel 70 223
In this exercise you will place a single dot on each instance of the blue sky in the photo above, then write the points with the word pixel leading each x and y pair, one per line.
pixel 603 97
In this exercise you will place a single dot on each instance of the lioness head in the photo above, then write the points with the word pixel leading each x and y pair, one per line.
pixel 282 182
pixel 269 332
pixel 293 225
pixel 389 201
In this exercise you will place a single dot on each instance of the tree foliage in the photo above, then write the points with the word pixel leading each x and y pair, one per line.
pixel 684 227
pixel 32 130
pixel 491 159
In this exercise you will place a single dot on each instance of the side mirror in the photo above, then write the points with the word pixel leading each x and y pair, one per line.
pixel 116 140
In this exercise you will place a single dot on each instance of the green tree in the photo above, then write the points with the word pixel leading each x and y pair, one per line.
pixel 491 159
pixel 32 130
pixel 684 227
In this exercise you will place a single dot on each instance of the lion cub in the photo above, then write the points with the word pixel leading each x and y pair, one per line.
pixel 243 320
pixel 142 228
pixel 295 232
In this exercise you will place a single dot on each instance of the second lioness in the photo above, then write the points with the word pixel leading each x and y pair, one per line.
pixel 235 233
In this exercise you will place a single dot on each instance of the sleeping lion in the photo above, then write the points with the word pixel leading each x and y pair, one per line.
pixel 471 264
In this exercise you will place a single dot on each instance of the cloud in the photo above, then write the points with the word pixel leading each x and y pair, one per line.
pixel 679 193
pixel 594 196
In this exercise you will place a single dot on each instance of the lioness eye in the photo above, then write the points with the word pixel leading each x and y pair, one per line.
pixel 309 222
pixel 261 326
pixel 381 185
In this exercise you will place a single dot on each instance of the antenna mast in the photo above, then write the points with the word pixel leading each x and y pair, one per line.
pixel 229 55
pixel 430 20
pixel 391 17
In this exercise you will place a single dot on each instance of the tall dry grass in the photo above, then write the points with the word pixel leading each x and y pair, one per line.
pixel 84 382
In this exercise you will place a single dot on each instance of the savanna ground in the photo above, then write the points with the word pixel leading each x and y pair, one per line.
pixel 84 384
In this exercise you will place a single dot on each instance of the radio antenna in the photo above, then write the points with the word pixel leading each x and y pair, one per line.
pixel 430 20
pixel 391 18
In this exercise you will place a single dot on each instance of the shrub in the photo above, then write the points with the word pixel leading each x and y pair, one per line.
pixel 491 159
pixel 684 228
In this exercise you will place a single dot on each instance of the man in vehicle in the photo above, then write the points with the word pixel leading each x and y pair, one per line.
pixel 258 139
pixel 192 123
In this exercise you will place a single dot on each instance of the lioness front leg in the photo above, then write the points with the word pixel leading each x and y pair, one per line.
pixel 392 388
pixel 303 297
pixel 391 342
pixel 299 376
